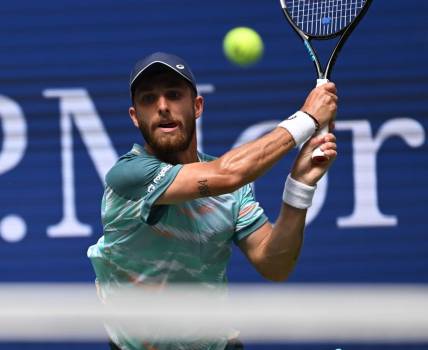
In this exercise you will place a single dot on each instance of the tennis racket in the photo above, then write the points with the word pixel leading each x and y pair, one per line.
pixel 323 20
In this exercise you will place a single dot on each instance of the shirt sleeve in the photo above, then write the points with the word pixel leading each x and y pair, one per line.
pixel 143 179
pixel 251 215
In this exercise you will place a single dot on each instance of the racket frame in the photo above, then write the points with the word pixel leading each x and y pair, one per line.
pixel 344 33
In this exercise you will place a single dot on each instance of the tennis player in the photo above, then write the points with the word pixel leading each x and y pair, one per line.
pixel 171 213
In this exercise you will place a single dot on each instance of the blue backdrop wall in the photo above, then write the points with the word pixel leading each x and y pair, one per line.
pixel 64 69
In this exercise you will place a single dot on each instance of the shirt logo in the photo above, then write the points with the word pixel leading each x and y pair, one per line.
pixel 158 178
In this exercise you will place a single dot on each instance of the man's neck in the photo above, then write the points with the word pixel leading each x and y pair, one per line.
pixel 190 155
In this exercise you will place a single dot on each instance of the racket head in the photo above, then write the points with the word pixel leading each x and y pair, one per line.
pixel 323 19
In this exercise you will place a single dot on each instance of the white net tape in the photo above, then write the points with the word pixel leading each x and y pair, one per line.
pixel 309 313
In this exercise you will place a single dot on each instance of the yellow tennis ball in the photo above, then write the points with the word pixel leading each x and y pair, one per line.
pixel 243 46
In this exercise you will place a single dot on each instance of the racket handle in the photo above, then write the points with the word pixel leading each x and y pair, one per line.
pixel 318 156
pixel 322 81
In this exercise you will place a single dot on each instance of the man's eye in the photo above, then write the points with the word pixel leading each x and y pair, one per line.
pixel 148 98
pixel 173 95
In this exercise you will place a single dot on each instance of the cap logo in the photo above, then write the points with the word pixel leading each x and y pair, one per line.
pixel 179 66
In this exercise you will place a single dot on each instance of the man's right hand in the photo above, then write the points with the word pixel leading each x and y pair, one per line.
pixel 321 103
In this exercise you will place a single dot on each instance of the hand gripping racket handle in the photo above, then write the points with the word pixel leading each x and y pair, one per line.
pixel 318 156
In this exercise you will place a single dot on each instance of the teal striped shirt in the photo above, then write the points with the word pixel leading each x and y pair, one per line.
pixel 155 245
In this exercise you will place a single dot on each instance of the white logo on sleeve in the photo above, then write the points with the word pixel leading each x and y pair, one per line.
pixel 158 178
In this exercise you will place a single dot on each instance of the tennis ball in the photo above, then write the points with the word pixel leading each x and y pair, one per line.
pixel 243 46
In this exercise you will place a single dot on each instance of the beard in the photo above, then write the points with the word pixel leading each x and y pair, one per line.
pixel 168 145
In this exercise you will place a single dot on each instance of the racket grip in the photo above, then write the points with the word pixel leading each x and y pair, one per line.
pixel 322 81
pixel 318 156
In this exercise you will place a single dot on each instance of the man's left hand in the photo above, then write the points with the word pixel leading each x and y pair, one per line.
pixel 307 171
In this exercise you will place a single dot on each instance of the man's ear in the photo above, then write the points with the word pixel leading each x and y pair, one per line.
pixel 199 106
pixel 133 114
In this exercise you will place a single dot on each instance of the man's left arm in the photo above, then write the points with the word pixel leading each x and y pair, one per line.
pixel 274 249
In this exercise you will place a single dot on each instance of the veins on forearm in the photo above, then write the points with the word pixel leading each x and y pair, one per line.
pixel 203 188
pixel 296 256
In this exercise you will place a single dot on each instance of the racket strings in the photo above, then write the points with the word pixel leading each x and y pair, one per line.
pixel 323 17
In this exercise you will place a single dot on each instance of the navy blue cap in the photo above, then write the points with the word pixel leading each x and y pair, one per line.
pixel 161 61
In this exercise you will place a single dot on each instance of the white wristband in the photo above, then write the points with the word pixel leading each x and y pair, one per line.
pixel 298 194
pixel 300 125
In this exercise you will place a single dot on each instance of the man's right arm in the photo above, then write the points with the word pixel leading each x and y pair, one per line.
pixel 248 162
pixel 234 169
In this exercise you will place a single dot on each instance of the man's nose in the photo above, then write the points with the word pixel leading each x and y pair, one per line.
pixel 162 103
